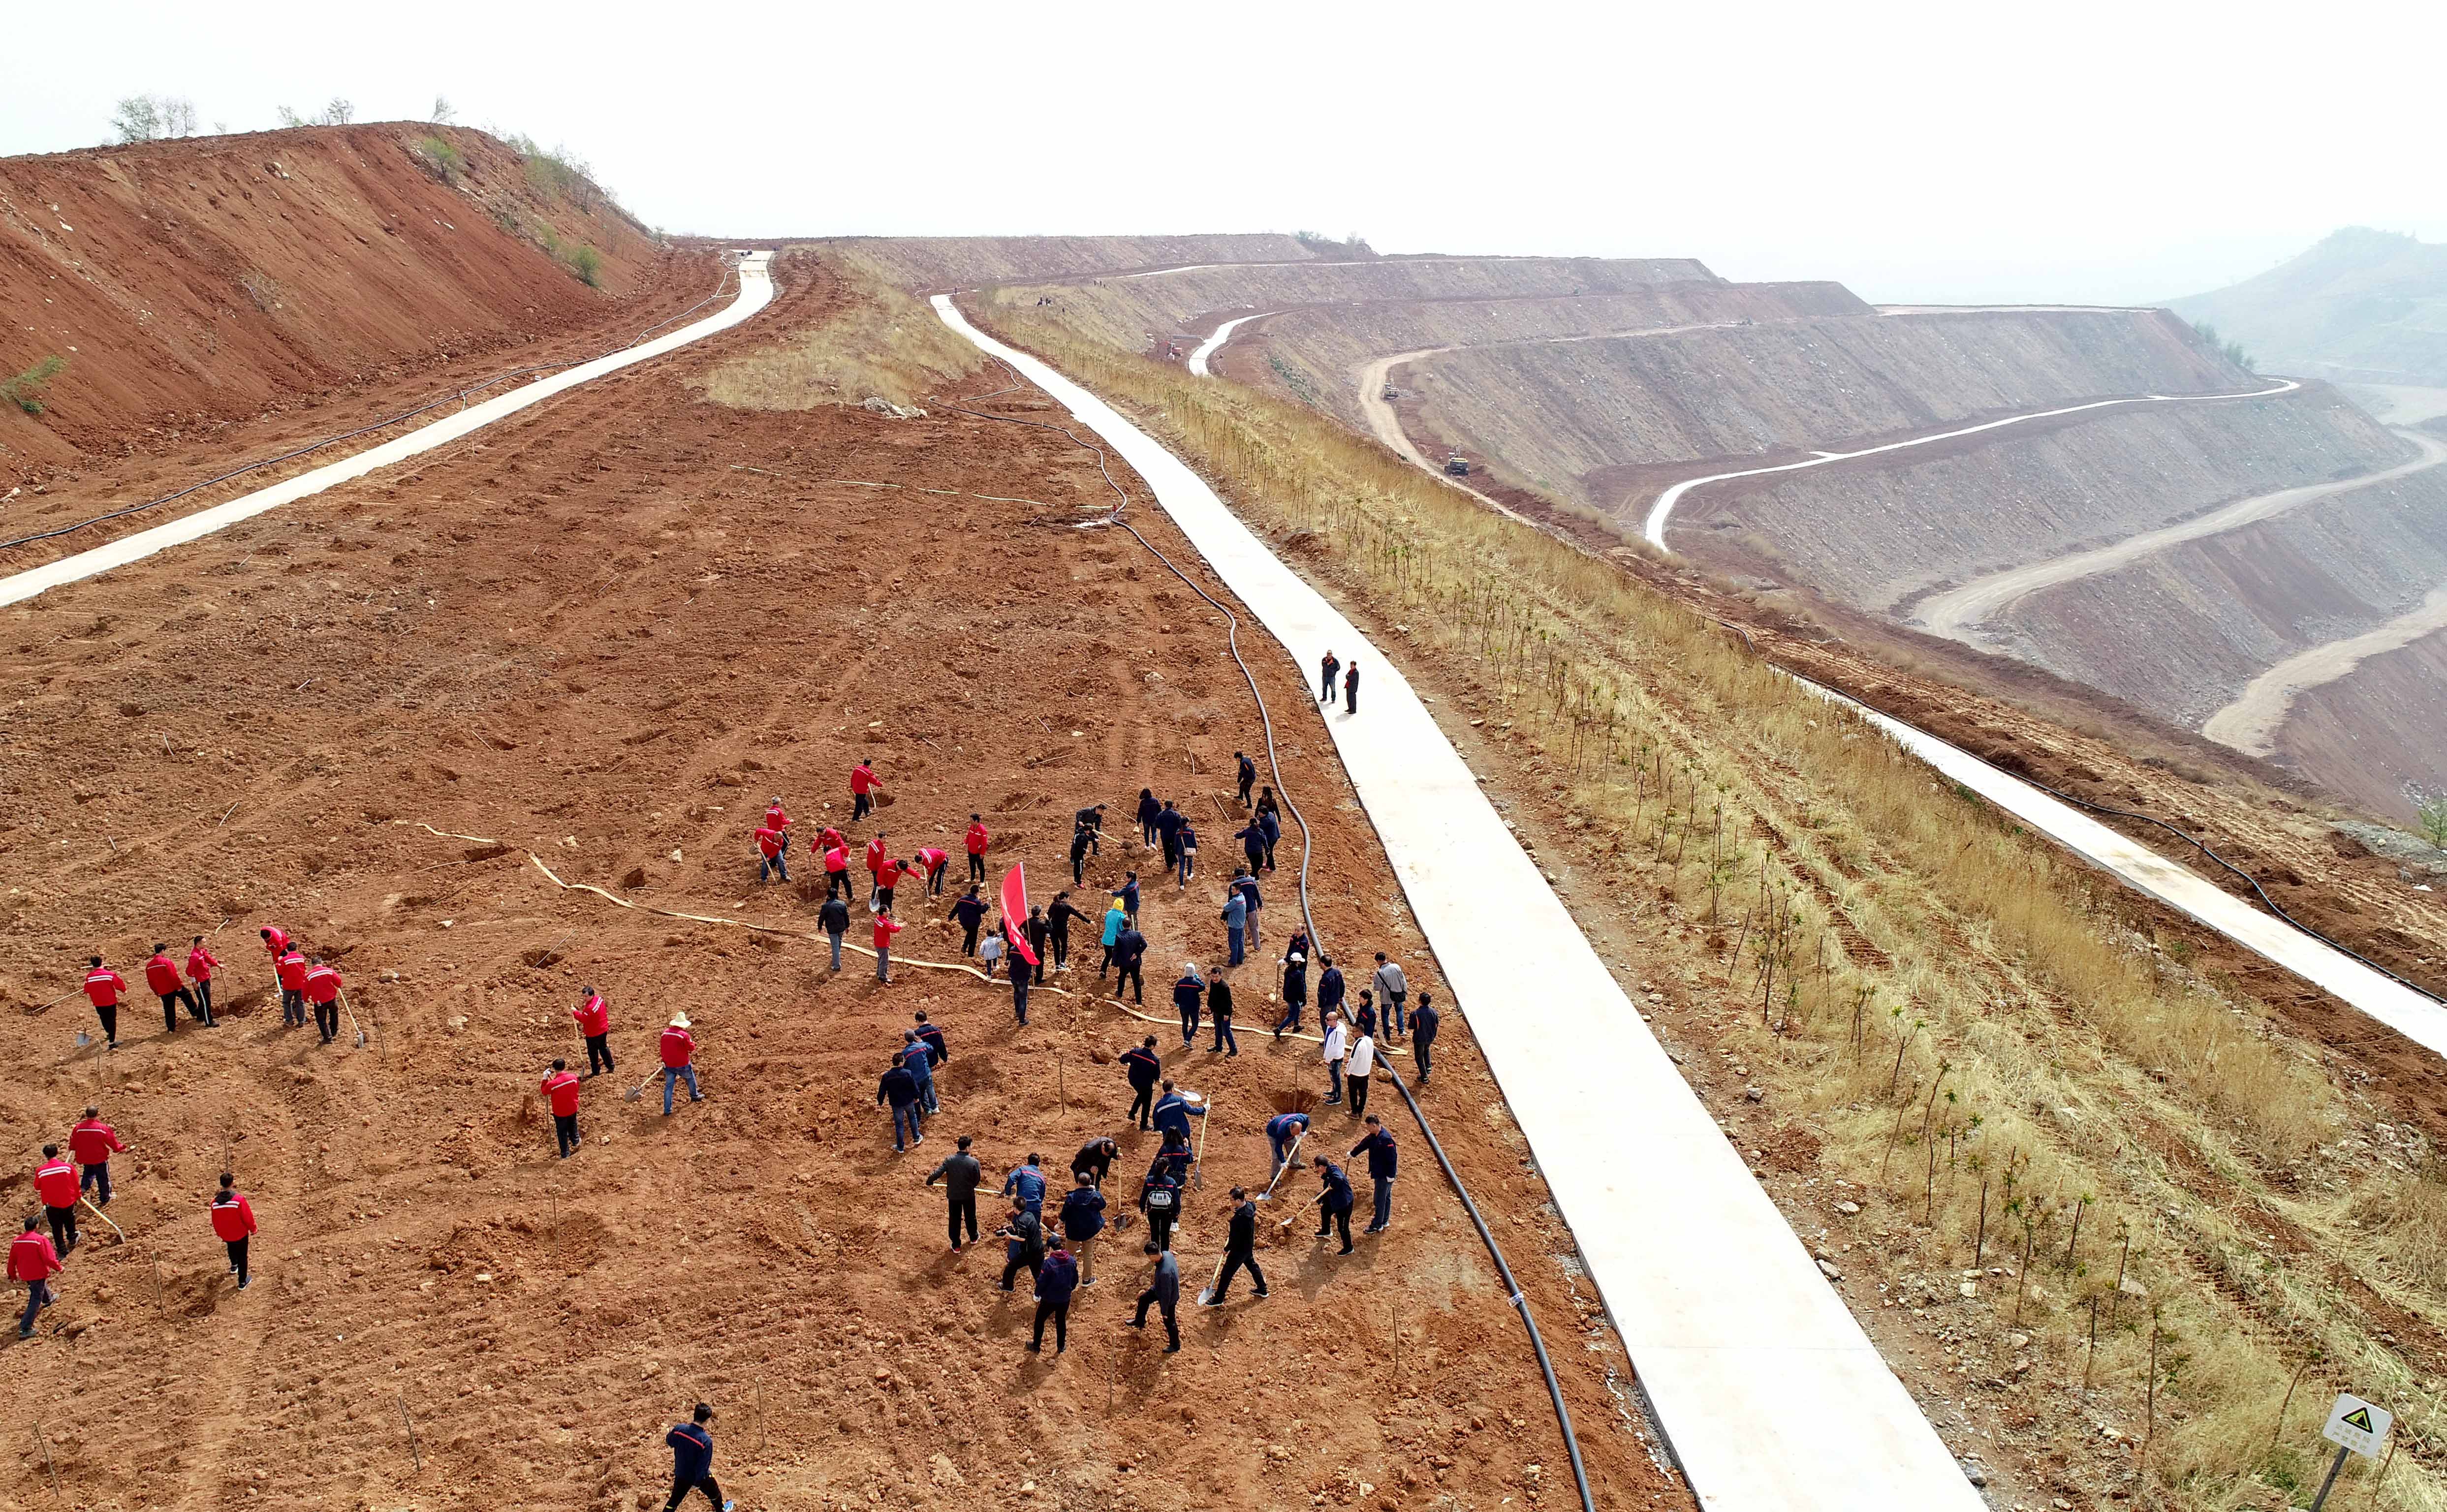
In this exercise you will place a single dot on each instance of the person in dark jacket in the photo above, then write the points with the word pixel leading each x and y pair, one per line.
pixel 1332 1200
pixel 935 1040
pixel 1219 1008
pixel 1023 1237
pixel 1083 1218
pixel 834 917
pixel 960 1173
pixel 1252 837
pixel 1025 1184
pixel 1246 885
pixel 1272 823
pixel 1038 931
pixel 1164 1293
pixel 1145 1067
pixel 1295 993
pixel 1080 839
pixel 1424 1022
pixel 1057 1279
pixel 1351 689
pixel 1058 916
pixel 1021 975
pixel 1189 867
pixel 1247 772
pixel 918 1057
pixel 1095 1161
pixel 1148 809
pixel 692 1445
pixel 1091 820
pixel 1382 1161
pixel 1239 1249
pixel 1159 1200
pixel 1176 1156
pixel 1329 987
pixel 1130 955
pixel 969 911
pixel 1167 830
pixel 1326 670
pixel 1129 893
pixel 1173 1110
pixel 1282 1132
pixel 1190 1001
pixel 900 1088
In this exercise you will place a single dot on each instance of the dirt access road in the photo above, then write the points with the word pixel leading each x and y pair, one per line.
pixel 591 636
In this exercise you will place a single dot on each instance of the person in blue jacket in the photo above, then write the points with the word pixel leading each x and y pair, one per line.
pixel 1236 927
pixel 1189 999
pixel 1083 1218
pixel 1174 1111
pixel 693 1459
pixel 1282 1130
pixel 1329 987
pixel 1057 1279
pixel 1382 1161
pixel 1026 1184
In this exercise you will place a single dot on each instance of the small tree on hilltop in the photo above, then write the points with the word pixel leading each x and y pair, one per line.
pixel 443 112
pixel 152 117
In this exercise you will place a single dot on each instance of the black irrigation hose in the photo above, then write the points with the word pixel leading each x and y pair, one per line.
pixel 2198 844
pixel 460 397
pixel 1486 1237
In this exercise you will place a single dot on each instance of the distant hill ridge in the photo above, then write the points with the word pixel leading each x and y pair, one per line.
pixel 2363 306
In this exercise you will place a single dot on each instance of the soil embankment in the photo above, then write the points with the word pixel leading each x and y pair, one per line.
pixel 185 286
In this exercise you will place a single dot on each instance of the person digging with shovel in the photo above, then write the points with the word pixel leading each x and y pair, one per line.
pixel 679 1060
pixel 1240 1250
pixel 323 986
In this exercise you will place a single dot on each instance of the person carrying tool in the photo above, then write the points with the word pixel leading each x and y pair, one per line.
pixel 55 1182
pixel 34 1260
pixel 561 1089
pixel 1159 1200
pixel 900 1089
pixel 1148 810
pixel 1295 993
pixel 1382 1161
pixel 1356 1072
pixel 1190 1001
pixel 91 1144
pixel 960 1173
pixel 1023 1238
pixel 1091 821
pixel 888 876
pixel 594 1017
pixel 932 860
pixel 837 871
pixel 976 840
pixel 1083 1218
pixel 834 920
pixel 1391 991
pixel 1283 1132
pixel 1056 1280
pixel 918 1057
pixel 323 986
pixel 233 1223
pixel 161 976
pixel 1095 1161
pixel 1239 1249
pixel 1163 1294
pixel 1174 1111
pixel 1350 688
pixel 1326 670
pixel 292 969
pixel 885 927
pixel 692 1445
pixel 1423 1021
pixel 1129 952
pixel 201 963
pixel 877 856
pixel 1247 772
pixel 678 1049
pixel 1332 1200
pixel 103 987
pixel 1168 820
pixel 1143 1066
pixel 969 911
pixel 776 817
pixel 1331 1053
pixel 1058 916
pixel 863 786
pixel 772 854
pixel 1219 1008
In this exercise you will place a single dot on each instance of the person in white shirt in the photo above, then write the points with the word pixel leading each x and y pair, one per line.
pixel 1331 1055
pixel 1355 1073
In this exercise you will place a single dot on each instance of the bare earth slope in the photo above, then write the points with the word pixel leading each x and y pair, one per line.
pixel 194 283
pixel 930 263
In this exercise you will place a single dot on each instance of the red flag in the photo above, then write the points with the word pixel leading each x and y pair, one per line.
pixel 1014 912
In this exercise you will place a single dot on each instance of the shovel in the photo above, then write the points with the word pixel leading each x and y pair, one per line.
pixel 639 1090
pixel 105 1217
pixel 353 1018
pixel 1291 1158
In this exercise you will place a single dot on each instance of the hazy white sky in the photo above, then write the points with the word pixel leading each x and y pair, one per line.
pixel 2115 152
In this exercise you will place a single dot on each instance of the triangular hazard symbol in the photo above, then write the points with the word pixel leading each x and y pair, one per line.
pixel 2359 1418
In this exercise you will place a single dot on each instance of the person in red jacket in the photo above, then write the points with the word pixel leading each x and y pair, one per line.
pixel 55 1182
pixel 32 1260
pixel 162 974
pixel 863 786
pixel 978 840
pixel 776 817
pixel 101 987
pixel 291 967
pixel 561 1089
pixel 772 854
pixel 594 1021
pixel 932 859
pixel 876 856
pixel 679 1060
pixel 323 986
pixel 885 927
pixel 888 876
pixel 234 1220
pixel 276 941
pixel 201 963
pixel 836 873
pixel 91 1144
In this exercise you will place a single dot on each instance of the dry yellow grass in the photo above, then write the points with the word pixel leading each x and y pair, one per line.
pixel 1947 997
pixel 878 342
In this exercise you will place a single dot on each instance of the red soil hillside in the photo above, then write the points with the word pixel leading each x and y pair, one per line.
pixel 191 282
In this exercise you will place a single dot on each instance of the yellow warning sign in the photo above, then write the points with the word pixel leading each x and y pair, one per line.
pixel 2359 1418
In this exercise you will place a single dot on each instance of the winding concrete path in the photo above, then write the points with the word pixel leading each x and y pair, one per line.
pixel 1207 349
pixel 1775 1398
pixel 755 292
pixel 1958 612
pixel 2252 722
pixel 1660 514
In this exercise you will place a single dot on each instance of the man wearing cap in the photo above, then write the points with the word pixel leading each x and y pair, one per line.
pixel 679 1060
